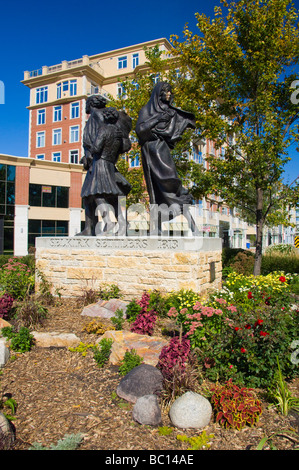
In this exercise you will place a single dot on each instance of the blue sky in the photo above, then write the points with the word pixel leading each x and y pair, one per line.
pixel 34 34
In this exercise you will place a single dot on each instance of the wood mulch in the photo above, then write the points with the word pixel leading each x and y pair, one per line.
pixel 60 392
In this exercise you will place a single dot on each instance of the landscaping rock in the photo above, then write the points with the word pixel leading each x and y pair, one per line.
pixel 56 340
pixel 148 347
pixel 3 323
pixel 105 308
pixel 147 411
pixel 4 352
pixel 191 410
pixel 7 435
pixel 142 380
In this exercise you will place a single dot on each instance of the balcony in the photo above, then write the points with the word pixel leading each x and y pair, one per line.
pixel 64 65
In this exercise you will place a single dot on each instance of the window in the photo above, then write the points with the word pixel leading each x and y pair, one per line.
pixel 135 60
pixel 69 86
pixel 44 228
pixel 74 134
pixel 122 62
pixel 134 162
pixel 56 137
pixel 75 110
pixel 58 91
pixel 73 87
pixel 74 156
pixel 120 90
pixel 56 157
pixel 57 114
pixel 40 156
pixel 40 139
pixel 156 78
pixel 41 116
pixel 48 196
pixel 197 156
pixel 7 190
pixel 41 95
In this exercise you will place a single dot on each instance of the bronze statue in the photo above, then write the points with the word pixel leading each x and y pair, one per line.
pixel 105 138
pixel 159 126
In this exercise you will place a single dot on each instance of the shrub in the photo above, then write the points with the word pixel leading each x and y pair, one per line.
pixel 184 298
pixel 30 312
pixel 197 442
pixel 129 361
pixel 16 278
pixel 118 320
pixel 6 303
pixel 20 341
pixel 88 296
pixel 97 328
pixel 235 407
pixel 110 292
pixel 68 442
pixel 244 290
pixel 144 323
pixel 246 348
pixel 276 261
pixel 133 310
pixel 101 355
pixel 145 320
pixel 243 263
pixel 175 354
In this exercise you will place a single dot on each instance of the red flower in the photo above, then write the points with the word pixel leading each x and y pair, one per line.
pixel 248 327
pixel 237 328
pixel 258 322
pixel 263 333
pixel 249 295
pixel 243 350
pixel 282 279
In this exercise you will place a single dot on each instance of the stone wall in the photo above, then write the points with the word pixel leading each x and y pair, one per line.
pixel 135 264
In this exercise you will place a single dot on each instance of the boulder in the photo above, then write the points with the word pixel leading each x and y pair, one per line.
pixel 147 411
pixel 142 380
pixel 4 352
pixel 3 323
pixel 148 347
pixel 191 410
pixel 105 308
pixel 7 436
pixel 55 340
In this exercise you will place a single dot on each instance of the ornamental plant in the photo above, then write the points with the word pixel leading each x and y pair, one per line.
pixel 130 360
pixel 16 278
pixel 6 303
pixel 201 323
pixel 174 355
pixel 144 323
pixel 245 290
pixel 235 407
pixel 145 320
pixel 247 348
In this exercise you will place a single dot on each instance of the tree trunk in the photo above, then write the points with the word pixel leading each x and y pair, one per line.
pixel 259 233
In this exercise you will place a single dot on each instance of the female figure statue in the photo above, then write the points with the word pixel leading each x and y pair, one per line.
pixel 106 136
pixel 159 126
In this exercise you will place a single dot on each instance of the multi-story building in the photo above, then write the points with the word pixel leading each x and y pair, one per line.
pixel 40 193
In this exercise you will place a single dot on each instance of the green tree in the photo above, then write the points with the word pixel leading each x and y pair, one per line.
pixel 240 77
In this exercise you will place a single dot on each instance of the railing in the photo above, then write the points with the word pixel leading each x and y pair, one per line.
pixel 35 73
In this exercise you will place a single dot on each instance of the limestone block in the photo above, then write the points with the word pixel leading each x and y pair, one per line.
pixel 148 347
pixel 55 339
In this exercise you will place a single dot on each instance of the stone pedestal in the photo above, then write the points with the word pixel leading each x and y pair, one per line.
pixel 135 264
